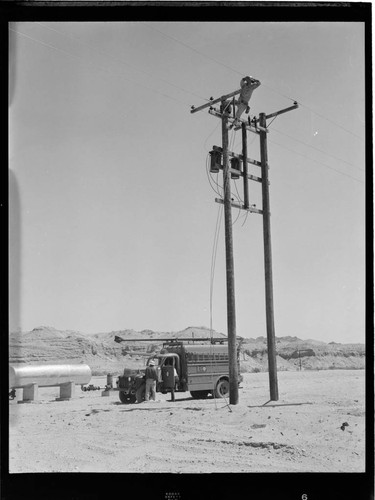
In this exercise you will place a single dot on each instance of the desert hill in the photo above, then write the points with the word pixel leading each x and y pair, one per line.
pixel 103 354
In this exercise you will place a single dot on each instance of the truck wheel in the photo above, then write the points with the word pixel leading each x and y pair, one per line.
pixel 124 398
pixel 199 394
pixel 132 399
pixel 222 388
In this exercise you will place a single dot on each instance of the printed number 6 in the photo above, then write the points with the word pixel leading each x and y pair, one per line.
pixel 304 496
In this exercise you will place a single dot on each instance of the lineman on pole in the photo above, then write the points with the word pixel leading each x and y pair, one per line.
pixel 248 85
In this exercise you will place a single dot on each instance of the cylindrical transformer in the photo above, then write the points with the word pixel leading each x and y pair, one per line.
pixel 48 375
pixel 215 157
pixel 235 164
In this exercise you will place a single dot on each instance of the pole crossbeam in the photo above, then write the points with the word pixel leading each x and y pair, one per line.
pixel 215 101
pixel 242 207
pixel 280 112
pixel 241 174
pixel 256 130
pixel 240 157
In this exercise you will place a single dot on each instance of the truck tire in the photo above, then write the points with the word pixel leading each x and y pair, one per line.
pixel 199 394
pixel 222 388
pixel 126 398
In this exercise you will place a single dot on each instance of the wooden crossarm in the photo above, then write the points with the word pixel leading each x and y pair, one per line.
pixel 222 98
pixel 242 207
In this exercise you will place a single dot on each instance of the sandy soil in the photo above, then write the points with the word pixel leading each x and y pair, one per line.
pixel 299 433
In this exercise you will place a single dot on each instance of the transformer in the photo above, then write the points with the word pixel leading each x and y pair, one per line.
pixel 215 161
pixel 235 165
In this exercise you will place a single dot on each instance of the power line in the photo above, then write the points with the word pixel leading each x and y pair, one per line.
pixel 331 121
pixel 99 67
pixel 263 84
pixel 191 48
pixel 317 149
pixel 115 58
pixel 318 162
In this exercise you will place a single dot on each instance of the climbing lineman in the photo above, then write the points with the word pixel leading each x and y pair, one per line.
pixel 248 85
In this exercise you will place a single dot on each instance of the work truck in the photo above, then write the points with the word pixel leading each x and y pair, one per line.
pixel 200 367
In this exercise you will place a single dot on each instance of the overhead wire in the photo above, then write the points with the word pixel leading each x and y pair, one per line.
pixel 318 162
pixel 190 47
pixel 171 83
pixel 263 84
pixel 316 149
pixel 98 67
pixel 331 121
pixel 115 58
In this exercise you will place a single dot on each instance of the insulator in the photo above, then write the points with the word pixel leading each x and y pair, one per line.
pixel 235 164
pixel 215 163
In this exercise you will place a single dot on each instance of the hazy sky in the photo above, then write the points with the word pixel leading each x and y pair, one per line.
pixel 116 215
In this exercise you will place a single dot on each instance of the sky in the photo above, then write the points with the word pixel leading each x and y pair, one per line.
pixel 113 220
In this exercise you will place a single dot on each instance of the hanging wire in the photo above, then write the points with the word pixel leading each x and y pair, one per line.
pixel 212 180
pixel 212 276
pixel 244 222
pixel 214 130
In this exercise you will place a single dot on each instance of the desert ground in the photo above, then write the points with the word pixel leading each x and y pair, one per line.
pixel 301 432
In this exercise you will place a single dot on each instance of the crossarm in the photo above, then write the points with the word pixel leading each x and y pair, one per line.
pixel 214 101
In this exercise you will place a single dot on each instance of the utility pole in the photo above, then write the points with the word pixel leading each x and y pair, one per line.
pixel 271 343
pixel 244 166
pixel 220 160
pixel 231 306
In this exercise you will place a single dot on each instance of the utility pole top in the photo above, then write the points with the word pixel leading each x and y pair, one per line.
pixel 215 101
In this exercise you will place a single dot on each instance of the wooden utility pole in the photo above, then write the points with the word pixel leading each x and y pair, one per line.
pixel 244 167
pixel 231 306
pixel 271 343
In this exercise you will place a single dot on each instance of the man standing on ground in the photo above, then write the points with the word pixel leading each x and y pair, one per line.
pixel 151 379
